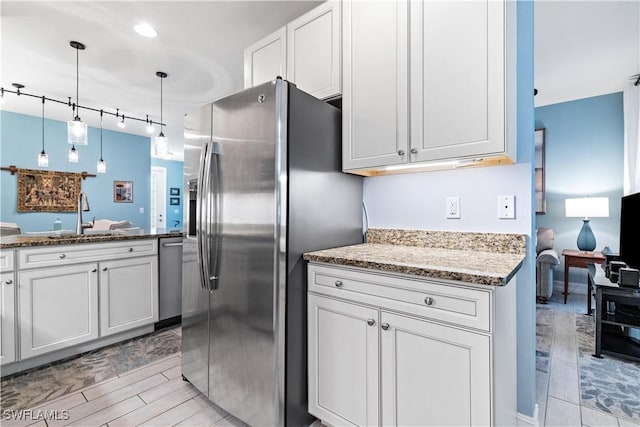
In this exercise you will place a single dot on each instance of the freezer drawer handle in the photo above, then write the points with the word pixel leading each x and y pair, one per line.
pixel 170 245
pixel 339 283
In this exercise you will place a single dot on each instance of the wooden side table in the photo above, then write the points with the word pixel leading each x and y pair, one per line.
pixel 580 259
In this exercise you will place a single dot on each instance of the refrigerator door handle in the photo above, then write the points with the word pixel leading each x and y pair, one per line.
pixel 213 231
pixel 201 232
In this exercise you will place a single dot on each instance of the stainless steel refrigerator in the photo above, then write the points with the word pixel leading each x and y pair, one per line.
pixel 262 186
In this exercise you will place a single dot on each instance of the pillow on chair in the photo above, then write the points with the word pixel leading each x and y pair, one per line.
pixel 545 239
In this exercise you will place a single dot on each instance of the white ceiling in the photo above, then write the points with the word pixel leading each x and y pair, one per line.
pixel 199 44
pixel 584 48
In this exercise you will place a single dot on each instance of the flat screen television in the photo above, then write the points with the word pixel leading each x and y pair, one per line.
pixel 630 230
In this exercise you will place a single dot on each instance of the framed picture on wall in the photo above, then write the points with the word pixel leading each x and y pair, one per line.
pixel 123 191
pixel 541 202
pixel 174 191
pixel 174 201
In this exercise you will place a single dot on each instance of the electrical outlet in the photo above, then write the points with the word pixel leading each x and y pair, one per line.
pixel 507 207
pixel 453 207
pixel 141 210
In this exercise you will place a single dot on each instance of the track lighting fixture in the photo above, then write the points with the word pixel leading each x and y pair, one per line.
pixel 161 142
pixel 43 158
pixel 101 167
pixel 76 128
pixel 121 123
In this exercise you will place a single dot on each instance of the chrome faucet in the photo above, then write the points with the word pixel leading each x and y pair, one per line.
pixel 83 205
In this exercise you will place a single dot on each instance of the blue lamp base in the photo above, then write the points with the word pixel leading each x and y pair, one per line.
pixel 586 239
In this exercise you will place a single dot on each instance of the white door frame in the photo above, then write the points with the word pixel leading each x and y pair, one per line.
pixel 159 197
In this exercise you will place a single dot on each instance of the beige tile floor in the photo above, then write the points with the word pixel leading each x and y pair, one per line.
pixel 152 395
pixel 558 393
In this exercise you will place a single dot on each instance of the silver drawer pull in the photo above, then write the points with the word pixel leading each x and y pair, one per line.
pixel 104 268
pixel 94 270
pixel 400 152
pixel 130 249
pixel 371 322
pixel 429 301
pixel 339 283
pixel 62 256
pixel 9 282
pixel 414 151
pixel 385 326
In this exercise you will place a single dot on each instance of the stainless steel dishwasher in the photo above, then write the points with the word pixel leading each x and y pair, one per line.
pixel 170 292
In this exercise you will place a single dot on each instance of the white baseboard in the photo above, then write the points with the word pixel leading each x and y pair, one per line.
pixel 527 420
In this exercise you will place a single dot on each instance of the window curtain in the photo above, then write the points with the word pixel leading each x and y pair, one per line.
pixel 631 139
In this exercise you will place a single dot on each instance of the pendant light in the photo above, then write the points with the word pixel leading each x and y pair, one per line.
pixel 43 158
pixel 101 167
pixel 76 128
pixel 74 156
pixel 161 142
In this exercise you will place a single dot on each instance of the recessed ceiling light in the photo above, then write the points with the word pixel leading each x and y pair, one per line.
pixel 145 30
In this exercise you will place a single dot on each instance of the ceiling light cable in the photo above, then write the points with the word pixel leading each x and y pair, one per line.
pixel 43 158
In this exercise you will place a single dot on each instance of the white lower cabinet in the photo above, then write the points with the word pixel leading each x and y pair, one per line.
pixel 7 318
pixel 343 362
pixel 433 375
pixel 58 308
pixel 128 294
pixel 398 350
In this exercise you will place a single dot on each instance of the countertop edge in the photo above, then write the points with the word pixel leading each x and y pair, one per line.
pixel 39 241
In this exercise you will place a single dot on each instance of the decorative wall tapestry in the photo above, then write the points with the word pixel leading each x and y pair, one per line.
pixel 47 191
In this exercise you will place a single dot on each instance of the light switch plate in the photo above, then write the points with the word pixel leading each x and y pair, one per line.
pixel 507 207
pixel 453 207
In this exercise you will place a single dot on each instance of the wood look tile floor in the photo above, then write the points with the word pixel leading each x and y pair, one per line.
pixel 152 395
pixel 559 394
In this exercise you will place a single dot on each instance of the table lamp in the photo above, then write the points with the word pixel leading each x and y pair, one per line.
pixel 586 207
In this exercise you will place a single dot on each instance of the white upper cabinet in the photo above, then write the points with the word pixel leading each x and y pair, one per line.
pixel 307 52
pixel 375 76
pixel 313 51
pixel 266 59
pixel 457 79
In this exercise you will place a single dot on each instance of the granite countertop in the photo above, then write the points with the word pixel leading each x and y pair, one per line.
pixel 26 240
pixel 479 258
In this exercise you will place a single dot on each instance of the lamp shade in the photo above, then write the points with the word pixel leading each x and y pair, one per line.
pixel 587 207
pixel 77 132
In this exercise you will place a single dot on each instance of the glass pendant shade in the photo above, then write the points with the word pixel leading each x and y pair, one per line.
pixel 161 144
pixel 43 160
pixel 73 155
pixel 77 132
pixel 101 166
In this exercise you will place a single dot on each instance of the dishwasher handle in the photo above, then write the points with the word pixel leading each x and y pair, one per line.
pixel 170 245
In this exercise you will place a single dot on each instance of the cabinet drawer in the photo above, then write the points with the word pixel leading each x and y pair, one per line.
pixel 84 252
pixel 453 304
pixel 6 260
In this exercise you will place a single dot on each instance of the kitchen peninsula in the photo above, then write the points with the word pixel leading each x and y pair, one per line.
pixel 426 321
pixel 64 294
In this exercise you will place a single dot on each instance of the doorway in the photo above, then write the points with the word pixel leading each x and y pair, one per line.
pixel 158 203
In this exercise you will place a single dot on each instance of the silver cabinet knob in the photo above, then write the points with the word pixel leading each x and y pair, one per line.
pixel 385 326
pixel 62 256
pixel 339 283
pixel 130 249
pixel 8 282
pixel 371 322
pixel 94 270
pixel 104 268
pixel 400 152
pixel 414 151
pixel 429 301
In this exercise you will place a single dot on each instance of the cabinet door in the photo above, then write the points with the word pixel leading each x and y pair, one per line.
pixel 266 59
pixel 433 375
pixel 457 79
pixel 128 294
pixel 7 318
pixel 375 77
pixel 343 362
pixel 58 308
pixel 313 51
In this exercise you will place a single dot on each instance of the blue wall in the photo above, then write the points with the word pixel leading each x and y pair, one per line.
pixel 583 157
pixel 526 291
pixel 127 157
pixel 174 180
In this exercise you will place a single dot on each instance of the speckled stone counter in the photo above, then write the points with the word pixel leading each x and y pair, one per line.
pixel 22 240
pixel 480 258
